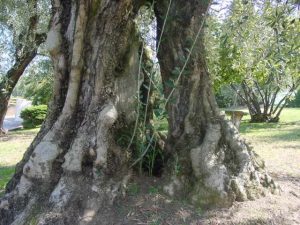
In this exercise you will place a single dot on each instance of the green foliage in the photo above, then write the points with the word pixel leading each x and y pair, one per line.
pixel 37 82
pixel 256 50
pixel 34 116
pixel 15 17
pixel 223 100
pixel 146 151
pixel 226 97
pixel 133 189
pixel 177 167
pixel 295 102
pixel 15 14
pixel 255 44
pixel 153 190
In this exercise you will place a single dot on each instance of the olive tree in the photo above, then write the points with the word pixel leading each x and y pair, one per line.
pixel 76 168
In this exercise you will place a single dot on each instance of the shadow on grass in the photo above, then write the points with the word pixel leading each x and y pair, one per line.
pixel 246 126
pixel 6 173
pixel 266 132
pixel 25 131
pixel 292 134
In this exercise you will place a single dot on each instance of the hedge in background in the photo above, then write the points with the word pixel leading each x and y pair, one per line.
pixel 34 116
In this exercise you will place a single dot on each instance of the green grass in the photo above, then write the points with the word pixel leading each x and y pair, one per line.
pixel 5 174
pixel 12 147
pixel 287 129
pixel 277 143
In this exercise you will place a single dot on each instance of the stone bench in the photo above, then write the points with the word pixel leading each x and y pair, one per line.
pixel 236 116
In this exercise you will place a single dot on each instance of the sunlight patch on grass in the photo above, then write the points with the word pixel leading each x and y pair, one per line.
pixel 12 147
pixel 277 143
pixel 288 128
pixel 5 175
pixel 11 151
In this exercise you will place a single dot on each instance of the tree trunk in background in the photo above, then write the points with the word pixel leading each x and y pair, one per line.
pixel 26 50
pixel 9 82
pixel 75 165
pixel 261 100
pixel 208 160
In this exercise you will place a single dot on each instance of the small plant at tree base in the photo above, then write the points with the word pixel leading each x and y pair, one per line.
pixel 34 116
pixel 153 190
pixel 133 189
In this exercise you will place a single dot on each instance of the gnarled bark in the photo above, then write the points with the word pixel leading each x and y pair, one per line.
pixel 209 161
pixel 75 160
pixel 75 168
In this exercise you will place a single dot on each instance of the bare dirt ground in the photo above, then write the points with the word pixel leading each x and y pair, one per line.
pixel 146 204
pixel 150 207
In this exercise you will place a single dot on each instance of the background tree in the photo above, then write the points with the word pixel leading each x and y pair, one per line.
pixel 36 83
pixel 258 55
pixel 26 21
pixel 76 165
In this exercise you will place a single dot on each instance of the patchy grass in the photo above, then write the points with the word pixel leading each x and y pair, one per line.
pixel 12 147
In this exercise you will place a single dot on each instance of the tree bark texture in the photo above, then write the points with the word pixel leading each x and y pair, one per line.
pixel 209 161
pixel 76 168
pixel 75 160
pixel 26 50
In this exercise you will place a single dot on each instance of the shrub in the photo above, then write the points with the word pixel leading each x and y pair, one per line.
pixel 225 96
pixel 223 101
pixel 33 116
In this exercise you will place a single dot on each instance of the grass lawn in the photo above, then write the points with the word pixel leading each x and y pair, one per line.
pixel 277 143
pixel 12 147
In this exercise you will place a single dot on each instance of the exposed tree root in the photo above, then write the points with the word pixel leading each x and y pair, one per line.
pixel 225 170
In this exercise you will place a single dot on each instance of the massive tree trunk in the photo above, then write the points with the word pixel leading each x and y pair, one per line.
pixel 26 49
pixel 208 160
pixel 75 166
